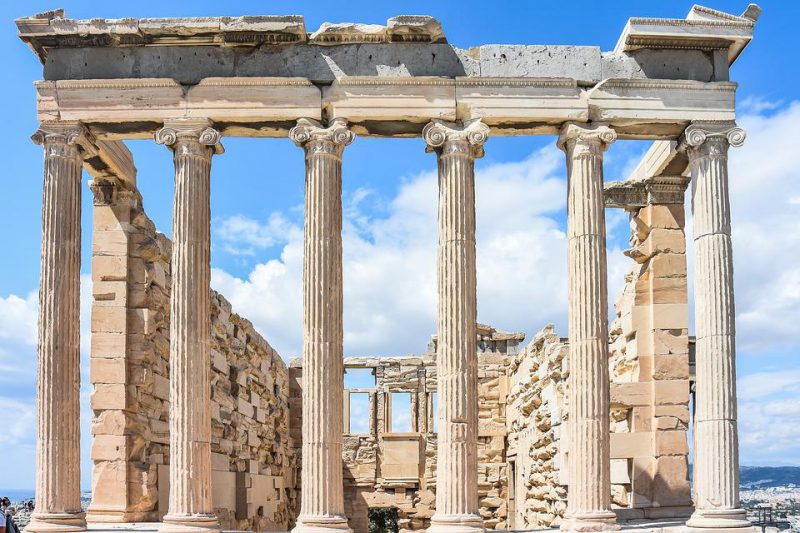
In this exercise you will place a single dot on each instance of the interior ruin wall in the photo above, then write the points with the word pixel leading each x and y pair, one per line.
pixel 649 370
pixel 385 468
pixel 253 459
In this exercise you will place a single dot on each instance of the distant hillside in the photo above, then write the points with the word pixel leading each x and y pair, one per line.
pixel 759 477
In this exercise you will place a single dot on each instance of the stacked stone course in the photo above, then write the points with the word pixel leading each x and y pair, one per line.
pixel 253 460
pixel 387 469
pixel 537 413
pixel 649 376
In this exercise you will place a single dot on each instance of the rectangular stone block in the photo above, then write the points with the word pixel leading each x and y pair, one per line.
pixel 109 268
pixel 110 448
pixel 104 370
pixel 671 443
pixel 109 483
pixel 671 392
pixel 160 387
pixel 659 316
pixel 627 445
pixel 108 345
pixel 620 471
pixel 671 216
pixel 660 289
pixel 681 412
pixel 668 265
pixel 662 240
pixel 670 485
pixel 109 293
pixel 109 396
pixel 109 320
pixel 642 419
pixel 414 100
pixel 631 394
pixel 110 242
pixel 520 102
pixel 223 488
pixel 671 366
pixel 111 217
pixel 258 99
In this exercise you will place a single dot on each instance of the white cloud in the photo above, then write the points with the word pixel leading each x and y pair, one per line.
pixel 762 384
pixel 390 261
pixel 17 420
pixel 18 318
pixel 766 232
pixel 769 417
pixel 755 105
pixel 242 235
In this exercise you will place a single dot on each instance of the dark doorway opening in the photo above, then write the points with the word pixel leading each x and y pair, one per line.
pixel 383 520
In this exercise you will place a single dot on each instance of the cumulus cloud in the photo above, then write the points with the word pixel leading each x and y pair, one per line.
pixel 769 417
pixel 766 232
pixel 242 235
pixel 390 261
pixel 18 318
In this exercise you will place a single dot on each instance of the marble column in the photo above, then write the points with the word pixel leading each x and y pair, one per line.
pixel 322 489
pixel 58 477
pixel 716 459
pixel 456 148
pixel 589 499
pixel 191 509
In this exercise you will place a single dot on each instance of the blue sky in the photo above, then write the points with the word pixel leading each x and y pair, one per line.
pixel 257 191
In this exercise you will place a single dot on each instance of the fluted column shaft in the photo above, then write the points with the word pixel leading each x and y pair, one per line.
pixel 322 490
pixel 716 460
pixel 58 489
pixel 190 504
pixel 589 500
pixel 457 360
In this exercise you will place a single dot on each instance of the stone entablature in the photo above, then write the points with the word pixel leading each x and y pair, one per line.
pixel 125 76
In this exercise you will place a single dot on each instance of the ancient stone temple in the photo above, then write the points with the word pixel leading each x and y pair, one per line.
pixel 199 425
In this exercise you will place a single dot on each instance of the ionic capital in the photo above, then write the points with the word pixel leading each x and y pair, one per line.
pixel 578 139
pixel 59 138
pixel 448 138
pixel 711 138
pixel 318 139
pixel 192 134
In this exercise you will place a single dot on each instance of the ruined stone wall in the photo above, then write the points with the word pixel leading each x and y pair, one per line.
pixel 649 372
pixel 649 365
pixel 253 459
pixel 537 415
pixel 390 469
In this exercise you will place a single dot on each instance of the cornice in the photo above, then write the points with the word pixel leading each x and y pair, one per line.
pixel 623 83
pixel 362 81
pixel 635 194
pixel 516 82
pixel 733 22
pixel 52 30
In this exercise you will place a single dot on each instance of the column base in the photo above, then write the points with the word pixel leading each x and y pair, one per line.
pixel 321 524
pixel 590 522
pixel 56 522
pixel 456 523
pixel 190 523
pixel 718 519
